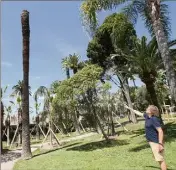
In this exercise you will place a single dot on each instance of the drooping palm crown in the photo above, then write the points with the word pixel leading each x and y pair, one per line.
pixel 133 10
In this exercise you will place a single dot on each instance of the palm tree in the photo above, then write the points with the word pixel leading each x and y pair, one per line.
pixel 18 89
pixel 155 15
pixel 7 121
pixel 2 115
pixel 146 61
pixel 37 106
pixel 65 65
pixel 43 91
pixel 73 62
pixel 26 149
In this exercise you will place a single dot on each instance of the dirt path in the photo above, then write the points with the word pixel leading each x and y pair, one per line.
pixel 9 158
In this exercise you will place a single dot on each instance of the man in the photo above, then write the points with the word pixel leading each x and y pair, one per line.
pixel 154 133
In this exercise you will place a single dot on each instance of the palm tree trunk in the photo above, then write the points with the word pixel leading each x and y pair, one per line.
pixel 163 46
pixel 26 148
pixel 1 116
pixel 75 70
pixel 151 90
pixel 68 73
pixel 37 128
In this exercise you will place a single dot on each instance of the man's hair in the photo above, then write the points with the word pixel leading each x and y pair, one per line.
pixel 154 110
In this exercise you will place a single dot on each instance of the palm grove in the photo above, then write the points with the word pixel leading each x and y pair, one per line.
pixel 84 100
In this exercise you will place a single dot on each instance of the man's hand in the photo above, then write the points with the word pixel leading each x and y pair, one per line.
pixel 161 148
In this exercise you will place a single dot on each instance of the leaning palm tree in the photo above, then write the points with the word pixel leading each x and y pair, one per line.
pixel 26 149
pixel 155 16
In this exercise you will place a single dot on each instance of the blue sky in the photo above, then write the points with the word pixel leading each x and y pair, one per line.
pixel 56 31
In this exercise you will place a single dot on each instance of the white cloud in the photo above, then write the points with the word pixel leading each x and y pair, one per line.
pixel 6 64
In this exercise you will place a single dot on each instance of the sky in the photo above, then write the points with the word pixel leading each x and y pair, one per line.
pixel 56 31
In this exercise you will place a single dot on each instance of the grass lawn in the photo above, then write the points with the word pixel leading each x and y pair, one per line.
pixel 129 152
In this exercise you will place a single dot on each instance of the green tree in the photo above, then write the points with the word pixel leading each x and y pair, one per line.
pixel 66 66
pixel 111 43
pixel 79 84
pixel 26 148
pixel 155 16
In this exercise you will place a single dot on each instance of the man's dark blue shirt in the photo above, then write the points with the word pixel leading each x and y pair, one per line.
pixel 151 123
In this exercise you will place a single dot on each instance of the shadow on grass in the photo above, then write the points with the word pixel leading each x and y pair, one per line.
pixel 170 132
pixel 98 145
pixel 138 132
pixel 49 151
pixel 157 167
pixel 139 148
pixel 9 156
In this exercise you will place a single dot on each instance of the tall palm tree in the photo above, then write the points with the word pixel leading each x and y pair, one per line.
pixel 155 15
pixel 26 148
pixel 2 115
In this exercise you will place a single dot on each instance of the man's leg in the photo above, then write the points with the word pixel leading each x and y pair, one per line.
pixel 163 165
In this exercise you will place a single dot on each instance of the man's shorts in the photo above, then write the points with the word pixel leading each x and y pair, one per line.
pixel 159 156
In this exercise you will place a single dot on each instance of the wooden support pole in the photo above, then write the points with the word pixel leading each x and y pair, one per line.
pixel 14 136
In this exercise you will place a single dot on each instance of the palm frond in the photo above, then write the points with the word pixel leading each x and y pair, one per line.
pixel 89 10
pixel 140 8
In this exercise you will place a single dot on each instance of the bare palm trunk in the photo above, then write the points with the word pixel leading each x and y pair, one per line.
pixel 154 6
pixel 1 116
pixel 26 149
pixel 37 128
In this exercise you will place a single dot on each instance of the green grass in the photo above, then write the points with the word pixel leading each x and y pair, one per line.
pixel 129 152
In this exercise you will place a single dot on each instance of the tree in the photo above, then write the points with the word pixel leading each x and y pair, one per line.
pixel 26 149
pixel 18 89
pixel 70 90
pixel 43 91
pixel 2 115
pixel 65 65
pixel 145 61
pixel 73 62
pixel 114 36
pixel 153 12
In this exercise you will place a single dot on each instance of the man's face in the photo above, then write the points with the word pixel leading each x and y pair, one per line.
pixel 148 111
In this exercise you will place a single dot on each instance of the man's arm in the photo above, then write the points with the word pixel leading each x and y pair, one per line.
pixel 135 111
pixel 160 135
pixel 161 139
pixel 157 125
